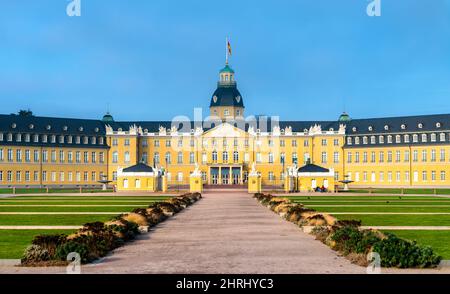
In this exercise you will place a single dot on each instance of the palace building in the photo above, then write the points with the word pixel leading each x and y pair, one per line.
pixel 409 151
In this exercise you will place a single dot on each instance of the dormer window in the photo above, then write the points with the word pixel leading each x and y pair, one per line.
pixel 61 139
pixel 80 129
pixel 356 140
pixel 65 128
pixel 44 138
pixel 18 138
pixel 93 140
pixel 386 128
pixel 403 127
pixel 96 130
pixel 398 139
pixel 415 138
pixel 442 137
pixel 77 140
pixel 69 139
pixel 31 126
pixel 406 138
pixel 438 125
pixel 349 140
pixel 27 137
pixel 381 139
pixel 36 138
pixel 53 139
pixel 48 127
pixel 420 125
pixel 370 128
pixel 433 137
pixel 424 137
pixel 85 140
pixel 373 140
pixel 389 139
pixel 365 140
pixel 354 129
pixel 9 137
pixel 13 126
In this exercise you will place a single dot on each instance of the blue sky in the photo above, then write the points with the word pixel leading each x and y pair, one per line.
pixel 155 59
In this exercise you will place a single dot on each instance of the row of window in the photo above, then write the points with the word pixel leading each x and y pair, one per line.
pixel 225 142
pixel 397 156
pixel 49 176
pixel 398 139
pixel 53 156
pixel 61 139
pixel 418 176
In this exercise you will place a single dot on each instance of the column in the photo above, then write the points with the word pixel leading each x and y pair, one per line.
pixel 230 177
pixel 219 176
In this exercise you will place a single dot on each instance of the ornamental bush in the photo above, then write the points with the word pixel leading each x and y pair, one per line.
pixel 35 253
pixel 396 252
pixel 73 246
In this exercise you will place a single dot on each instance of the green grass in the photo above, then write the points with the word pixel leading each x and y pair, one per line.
pixel 398 220
pixel 51 220
pixel 14 242
pixel 380 209
pixel 438 240
pixel 52 190
pixel 28 208
pixel 429 191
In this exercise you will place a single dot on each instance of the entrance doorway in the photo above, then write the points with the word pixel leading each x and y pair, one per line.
pixel 236 176
pixel 215 175
pixel 225 176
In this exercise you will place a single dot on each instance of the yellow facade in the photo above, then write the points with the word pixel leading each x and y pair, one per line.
pixel 46 166
pixel 387 152
pixel 136 183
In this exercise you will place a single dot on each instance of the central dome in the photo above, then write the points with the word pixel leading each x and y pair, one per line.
pixel 227 95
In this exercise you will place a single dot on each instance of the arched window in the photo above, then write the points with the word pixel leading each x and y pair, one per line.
pixel 214 156
pixel 127 157
pixel 156 157
pixel 115 157
pixel 167 158
pixel 180 157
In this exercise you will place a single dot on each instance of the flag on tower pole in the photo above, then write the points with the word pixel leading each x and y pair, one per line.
pixel 228 49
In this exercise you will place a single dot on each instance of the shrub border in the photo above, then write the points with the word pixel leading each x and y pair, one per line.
pixel 349 239
pixel 96 240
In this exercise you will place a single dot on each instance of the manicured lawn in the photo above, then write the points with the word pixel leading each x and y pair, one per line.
pixel 52 190
pixel 399 191
pixel 51 220
pixel 14 242
pixel 398 220
pixel 438 240
pixel 99 208
pixel 381 208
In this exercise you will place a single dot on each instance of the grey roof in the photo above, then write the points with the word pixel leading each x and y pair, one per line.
pixel 312 168
pixel 17 124
pixel 395 124
pixel 138 168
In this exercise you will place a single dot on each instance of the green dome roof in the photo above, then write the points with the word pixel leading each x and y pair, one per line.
pixel 344 117
pixel 227 69
pixel 108 118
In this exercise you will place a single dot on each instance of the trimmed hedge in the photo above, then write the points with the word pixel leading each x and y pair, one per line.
pixel 96 240
pixel 348 238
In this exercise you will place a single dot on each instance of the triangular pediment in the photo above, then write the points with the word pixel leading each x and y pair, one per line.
pixel 224 130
